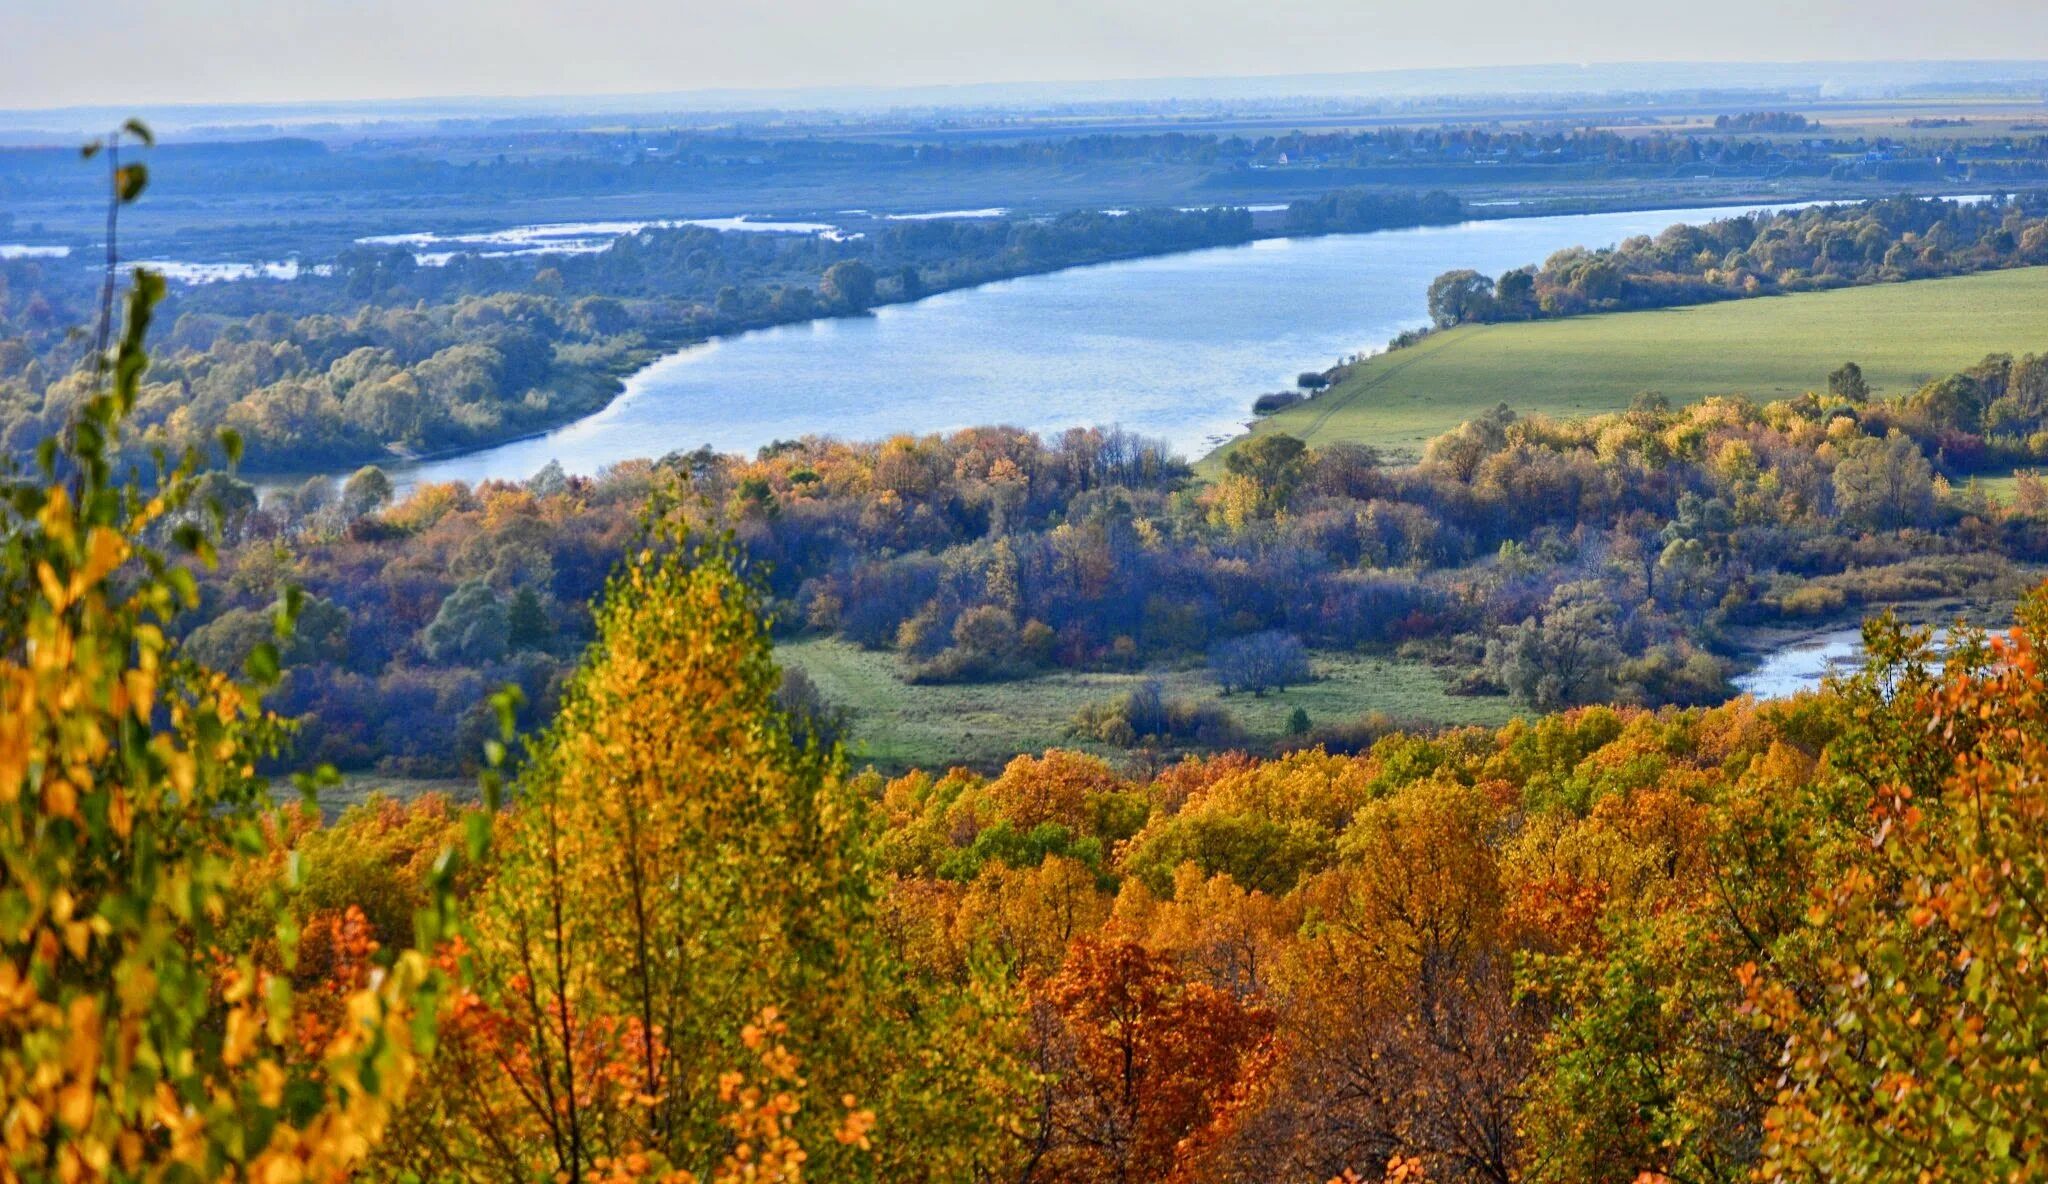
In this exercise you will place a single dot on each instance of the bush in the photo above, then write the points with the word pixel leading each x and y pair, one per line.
pixel 1675 675
pixel 1277 401
pixel 1147 716
pixel 1812 600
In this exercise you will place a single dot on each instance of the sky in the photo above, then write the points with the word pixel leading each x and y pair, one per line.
pixel 115 52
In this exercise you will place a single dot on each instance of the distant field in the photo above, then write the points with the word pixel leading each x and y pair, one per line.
pixel 1770 347
pixel 897 725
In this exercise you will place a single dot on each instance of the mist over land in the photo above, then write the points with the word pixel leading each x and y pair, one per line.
pixel 1514 89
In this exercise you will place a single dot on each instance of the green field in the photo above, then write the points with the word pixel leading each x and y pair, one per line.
pixel 897 725
pixel 1769 347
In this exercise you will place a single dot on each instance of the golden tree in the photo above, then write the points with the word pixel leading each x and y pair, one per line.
pixel 677 862
pixel 138 1042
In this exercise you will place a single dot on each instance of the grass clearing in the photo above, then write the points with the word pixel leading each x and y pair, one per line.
pixel 2000 488
pixel 358 788
pixel 897 725
pixel 1768 347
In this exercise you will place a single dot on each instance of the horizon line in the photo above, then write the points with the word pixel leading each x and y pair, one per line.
pixel 762 96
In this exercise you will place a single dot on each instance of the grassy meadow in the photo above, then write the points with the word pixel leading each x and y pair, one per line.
pixel 1769 347
pixel 897 725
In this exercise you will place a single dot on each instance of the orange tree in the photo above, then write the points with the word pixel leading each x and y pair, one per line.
pixel 138 1041
pixel 1138 1065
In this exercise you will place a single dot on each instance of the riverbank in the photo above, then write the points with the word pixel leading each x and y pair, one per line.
pixel 847 385
pixel 1267 226
pixel 1171 346
pixel 1784 659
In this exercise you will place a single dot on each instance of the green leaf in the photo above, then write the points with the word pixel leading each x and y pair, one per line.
pixel 140 130
pixel 476 828
pixel 507 703
pixel 262 664
pixel 289 604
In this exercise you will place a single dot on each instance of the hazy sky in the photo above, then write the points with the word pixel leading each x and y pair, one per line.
pixel 59 52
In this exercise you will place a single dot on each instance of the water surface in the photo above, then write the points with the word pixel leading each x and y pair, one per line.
pixel 1804 664
pixel 1174 346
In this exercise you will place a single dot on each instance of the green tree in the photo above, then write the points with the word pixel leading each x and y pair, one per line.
pixel 849 284
pixel 1273 462
pixel 1456 297
pixel 1886 484
pixel 1566 656
pixel 527 626
pixel 1847 382
pixel 1259 663
pixel 366 491
pixel 471 626
pixel 1956 402
pixel 1514 294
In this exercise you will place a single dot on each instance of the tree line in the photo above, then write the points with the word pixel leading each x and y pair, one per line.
pixel 386 355
pixel 1616 558
pixel 1759 254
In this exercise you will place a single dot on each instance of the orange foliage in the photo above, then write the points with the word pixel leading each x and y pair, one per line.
pixel 1059 787
pixel 1140 1061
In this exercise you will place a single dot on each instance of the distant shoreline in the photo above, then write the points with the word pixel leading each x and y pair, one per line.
pixel 658 350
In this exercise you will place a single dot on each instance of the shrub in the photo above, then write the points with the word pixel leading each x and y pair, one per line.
pixel 811 716
pixel 1278 400
pixel 1812 600
pixel 1147 716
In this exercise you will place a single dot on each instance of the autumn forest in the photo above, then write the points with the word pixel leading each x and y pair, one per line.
pixel 362 827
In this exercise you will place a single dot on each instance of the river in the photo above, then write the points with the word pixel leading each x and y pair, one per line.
pixel 1804 664
pixel 1174 346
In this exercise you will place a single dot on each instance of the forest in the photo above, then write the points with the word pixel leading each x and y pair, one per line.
pixel 1618 558
pixel 594 162
pixel 686 942
pixel 677 933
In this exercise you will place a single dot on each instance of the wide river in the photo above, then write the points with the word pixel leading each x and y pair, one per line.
pixel 1175 346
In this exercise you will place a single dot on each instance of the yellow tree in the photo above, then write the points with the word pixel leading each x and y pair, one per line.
pixel 675 863
pixel 137 1040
